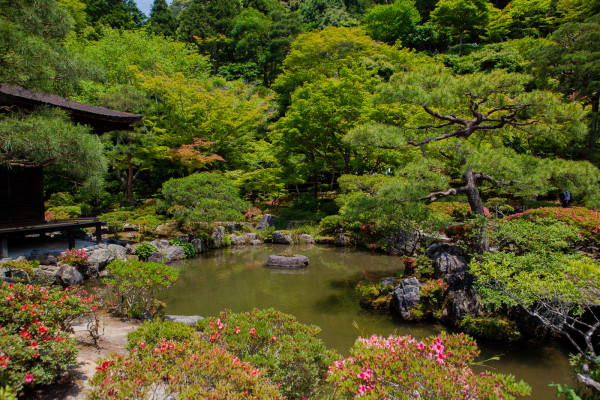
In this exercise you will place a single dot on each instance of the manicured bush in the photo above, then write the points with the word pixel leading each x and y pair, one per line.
pixel 60 199
pixel 153 332
pixel 205 198
pixel 289 352
pixel 585 220
pixel 134 286
pixel 144 250
pixel 402 367
pixel 62 212
pixel 191 370
pixel 145 219
pixel 35 323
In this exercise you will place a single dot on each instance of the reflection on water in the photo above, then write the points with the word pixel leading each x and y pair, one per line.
pixel 323 294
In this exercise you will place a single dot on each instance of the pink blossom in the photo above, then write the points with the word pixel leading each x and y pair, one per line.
pixel 28 378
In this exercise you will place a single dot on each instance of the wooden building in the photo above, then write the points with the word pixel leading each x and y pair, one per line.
pixel 22 189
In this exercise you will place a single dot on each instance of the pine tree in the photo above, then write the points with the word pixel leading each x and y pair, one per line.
pixel 162 21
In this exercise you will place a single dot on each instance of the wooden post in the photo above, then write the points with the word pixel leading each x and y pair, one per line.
pixel 98 233
pixel 3 246
pixel 71 239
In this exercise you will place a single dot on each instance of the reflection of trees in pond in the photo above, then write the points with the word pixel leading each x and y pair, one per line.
pixel 287 271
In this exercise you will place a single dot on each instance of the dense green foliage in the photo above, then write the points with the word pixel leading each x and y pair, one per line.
pixel 386 123
pixel 134 286
pixel 289 352
pixel 188 370
pixel 203 198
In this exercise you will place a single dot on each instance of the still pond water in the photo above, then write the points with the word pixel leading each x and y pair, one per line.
pixel 323 294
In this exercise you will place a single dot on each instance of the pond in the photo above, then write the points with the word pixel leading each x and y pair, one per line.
pixel 323 294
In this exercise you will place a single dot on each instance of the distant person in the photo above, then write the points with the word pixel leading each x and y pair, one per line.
pixel 565 198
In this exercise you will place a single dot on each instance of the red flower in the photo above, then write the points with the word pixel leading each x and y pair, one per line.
pixel 43 329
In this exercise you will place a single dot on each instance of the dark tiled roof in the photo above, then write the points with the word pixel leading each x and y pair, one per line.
pixel 102 119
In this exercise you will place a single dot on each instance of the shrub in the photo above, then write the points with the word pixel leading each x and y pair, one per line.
pixel 192 370
pixel 62 212
pixel 153 332
pixel 370 290
pixel 188 249
pixel 402 367
pixel 35 323
pixel 144 250
pixel 74 258
pixel 432 294
pixel 60 199
pixel 331 224
pixel 585 220
pixel 16 269
pixel 493 328
pixel 134 286
pixel 289 352
pixel 459 212
pixel 205 197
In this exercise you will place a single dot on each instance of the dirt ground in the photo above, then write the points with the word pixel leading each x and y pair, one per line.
pixel 74 385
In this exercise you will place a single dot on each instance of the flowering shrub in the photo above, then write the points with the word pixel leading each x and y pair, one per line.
pixel 144 250
pixel 75 258
pixel 432 294
pixel 63 212
pixel 34 333
pixel 370 290
pixel 289 352
pixel 459 232
pixel 191 370
pixel 134 286
pixel 455 210
pixel 61 199
pixel 401 367
pixel 585 220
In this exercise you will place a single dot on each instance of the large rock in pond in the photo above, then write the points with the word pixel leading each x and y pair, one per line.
pixel 282 237
pixel 199 245
pixel 293 262
pixel 458 305
pixel 219 236
pixel 406 297
pixel 449 263
pixel 342 240
pixel 67 276
pixel 174 253
pixel 237 240
pixel 266 221
pixel 305 238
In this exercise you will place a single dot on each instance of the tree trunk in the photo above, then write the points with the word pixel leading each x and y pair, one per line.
pixel 130 176
pixel 476 204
